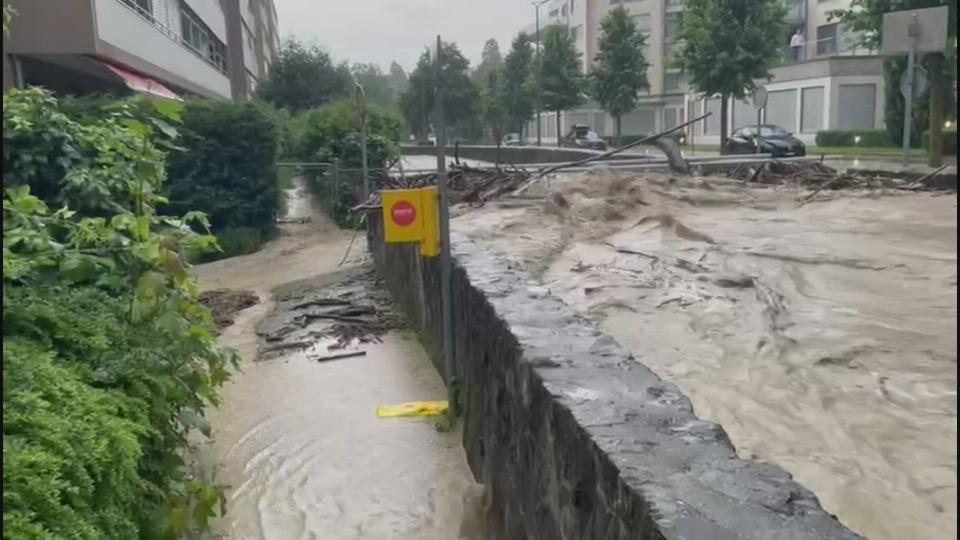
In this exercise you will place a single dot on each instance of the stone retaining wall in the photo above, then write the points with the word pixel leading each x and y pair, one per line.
pixel 575 438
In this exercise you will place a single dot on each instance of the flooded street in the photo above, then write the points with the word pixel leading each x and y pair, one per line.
pixel 821 335
pixel 298 442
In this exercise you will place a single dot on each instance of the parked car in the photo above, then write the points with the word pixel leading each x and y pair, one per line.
pixel 581 136
pixel 774 140
pixel 511 139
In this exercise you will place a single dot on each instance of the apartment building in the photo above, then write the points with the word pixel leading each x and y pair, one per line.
pixel 169 48
pixel 825 84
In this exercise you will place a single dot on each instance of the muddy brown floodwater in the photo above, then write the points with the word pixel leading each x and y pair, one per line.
pixel 822 336
pixel 298 442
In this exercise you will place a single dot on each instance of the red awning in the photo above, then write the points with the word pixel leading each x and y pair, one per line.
pixel 139 83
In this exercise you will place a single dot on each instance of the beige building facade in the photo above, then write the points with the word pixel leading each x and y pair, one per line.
pixel 825 84
pixel 172 48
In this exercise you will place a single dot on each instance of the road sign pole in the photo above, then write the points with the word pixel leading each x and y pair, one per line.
pixel 757 136
pixel 446 273
pixel 913 31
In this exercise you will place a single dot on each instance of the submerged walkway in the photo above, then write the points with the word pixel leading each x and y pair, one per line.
pixel 298 442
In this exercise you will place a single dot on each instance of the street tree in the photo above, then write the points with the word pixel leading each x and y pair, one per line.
pixel 728 45
pixel 561 81
pixel 518 93
pixel 865 19
pixel 490 58
pixel 495 115
pixel 303 77
pixel 376 84
pixel 620 72
pixel 461 99
pixel 398 79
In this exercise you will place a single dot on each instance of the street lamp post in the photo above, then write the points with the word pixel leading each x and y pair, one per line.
pixel 536 6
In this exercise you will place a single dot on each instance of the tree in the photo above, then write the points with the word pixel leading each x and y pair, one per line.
pixel 376 85
pixel 460 96
pixel 304 77
pixel 621 70
pixel 865 18
pixel 561 81
pixel 490 58
pixel 495 114
pixel 518 90
pixel 727 45
pixel 398 79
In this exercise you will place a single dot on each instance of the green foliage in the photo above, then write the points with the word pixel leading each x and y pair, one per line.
pixel 561 81
pixel 864 18
pixel 227 165
pixel 621 70
pixel 109 360
pixel 729 45
pixel 461 99
pixel 398 80
pixel 949 142
pixel 331 134
pixel 303 77
pixel 518 93
pixel 235 241
pixel 869 138
pixel 375 83
pixel 494 101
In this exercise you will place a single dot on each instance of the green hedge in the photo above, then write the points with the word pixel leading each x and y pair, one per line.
pixel 109 359
pixel 869 138
pixel 949 142
pixel 227 168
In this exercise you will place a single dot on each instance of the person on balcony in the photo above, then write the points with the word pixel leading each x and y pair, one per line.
pixel 796 44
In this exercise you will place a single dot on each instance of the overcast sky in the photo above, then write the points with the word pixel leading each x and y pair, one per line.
pixel 381 31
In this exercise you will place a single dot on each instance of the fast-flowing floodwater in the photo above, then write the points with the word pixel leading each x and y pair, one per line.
pixel 822 335
pixel 298 442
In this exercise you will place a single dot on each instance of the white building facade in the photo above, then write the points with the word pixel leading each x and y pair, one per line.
pixel 824 84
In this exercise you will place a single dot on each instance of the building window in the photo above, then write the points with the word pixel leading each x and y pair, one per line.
pixel 575 31
pixel 142 7
pixel 671 26
pixel 672 80
pixel 201 39
pixel 856 106
pixel 554 12
pixel 811 109
pixel 827 39
pixel 614 2
pixel 643 21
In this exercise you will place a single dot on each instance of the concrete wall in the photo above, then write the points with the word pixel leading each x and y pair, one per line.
pixel 575 439
pixel 512 154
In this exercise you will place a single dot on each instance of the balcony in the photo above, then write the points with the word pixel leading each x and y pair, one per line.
pixel 823 48
pixel 153 42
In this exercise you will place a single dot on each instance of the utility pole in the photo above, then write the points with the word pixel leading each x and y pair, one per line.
pixel 446 273
pixel 362 109
pixel 913 31
pixel 536 6
pixel 423 106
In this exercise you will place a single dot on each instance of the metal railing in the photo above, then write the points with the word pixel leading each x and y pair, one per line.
pixel 814 50
pixel 170 7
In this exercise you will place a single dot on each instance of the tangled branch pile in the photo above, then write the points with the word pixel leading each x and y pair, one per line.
pixel 465 184
pixel 818 177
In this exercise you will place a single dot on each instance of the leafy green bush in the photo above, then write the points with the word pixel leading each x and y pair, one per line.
pixel 109 359
pixel 949 142
pixel 235 241
pixel 869 138
pixel 227 165
pixel 331 133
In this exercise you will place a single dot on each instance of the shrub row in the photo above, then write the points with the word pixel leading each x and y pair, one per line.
pixel 848 137
pixel 109 360
pixel 949 142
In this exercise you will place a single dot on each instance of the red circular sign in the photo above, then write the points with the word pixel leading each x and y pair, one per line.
pixel 403 213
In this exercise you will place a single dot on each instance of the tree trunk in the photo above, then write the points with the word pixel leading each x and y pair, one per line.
pixel 724 104
pixel 935 151
pixel 558 129
pixel 619 142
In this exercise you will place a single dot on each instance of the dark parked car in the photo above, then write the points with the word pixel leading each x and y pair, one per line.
pixel 774 140
pixel 582 136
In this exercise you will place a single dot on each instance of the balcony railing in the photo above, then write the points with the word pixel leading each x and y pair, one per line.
pixel 823 48
pixel 171 7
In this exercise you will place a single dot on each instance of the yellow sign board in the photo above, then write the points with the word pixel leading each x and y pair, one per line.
pixel 412 215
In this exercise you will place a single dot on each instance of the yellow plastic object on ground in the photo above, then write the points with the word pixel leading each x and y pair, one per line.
pixel 413 409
